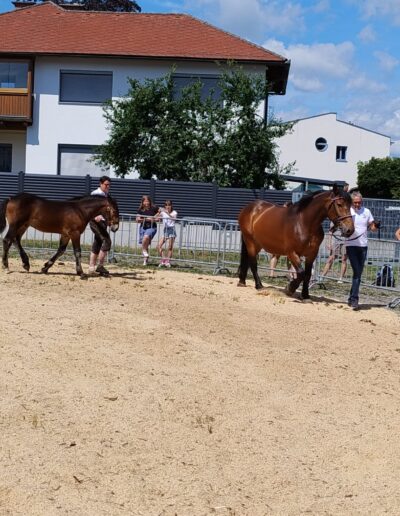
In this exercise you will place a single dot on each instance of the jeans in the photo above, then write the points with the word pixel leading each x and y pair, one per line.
pixel 357 256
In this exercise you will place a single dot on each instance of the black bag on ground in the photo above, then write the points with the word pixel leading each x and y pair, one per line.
pixel 385 277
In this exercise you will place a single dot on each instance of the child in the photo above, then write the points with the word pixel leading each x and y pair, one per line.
pixel 146 216
pixel 168 215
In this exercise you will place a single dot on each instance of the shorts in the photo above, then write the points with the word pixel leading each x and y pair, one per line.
pixel 339 249
pixel 150 232
pixel 169 232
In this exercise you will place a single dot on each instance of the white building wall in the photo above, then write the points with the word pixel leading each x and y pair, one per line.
pixel 299 146
pixel 56 123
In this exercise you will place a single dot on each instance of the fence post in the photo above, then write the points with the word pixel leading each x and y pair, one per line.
pixel 87 184
pixel 21 181
pixel 214 200
pixel 152 189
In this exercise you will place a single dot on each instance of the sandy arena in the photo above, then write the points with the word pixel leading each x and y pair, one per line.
pixel 167 393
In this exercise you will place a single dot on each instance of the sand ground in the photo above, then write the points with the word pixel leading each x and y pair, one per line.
pixel 161 393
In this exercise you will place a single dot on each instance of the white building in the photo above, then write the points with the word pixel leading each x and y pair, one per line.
pixel 324 147
pixel 58 66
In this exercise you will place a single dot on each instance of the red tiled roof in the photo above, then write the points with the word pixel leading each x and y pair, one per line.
pixel 49 29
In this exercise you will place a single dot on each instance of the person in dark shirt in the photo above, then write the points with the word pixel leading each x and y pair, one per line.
pixel 146 216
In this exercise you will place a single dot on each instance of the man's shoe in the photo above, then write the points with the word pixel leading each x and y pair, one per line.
pixel 355 307
pixel 102 270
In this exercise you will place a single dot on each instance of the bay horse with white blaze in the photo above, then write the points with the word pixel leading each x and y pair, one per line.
pixel 68 218
pixel 293 231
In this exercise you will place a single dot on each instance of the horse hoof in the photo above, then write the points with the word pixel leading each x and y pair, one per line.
pixel 26 267
pixel 44 270
pixel 241 284
pixel 84 276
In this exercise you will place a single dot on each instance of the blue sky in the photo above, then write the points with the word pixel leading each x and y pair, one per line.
pixel 345 54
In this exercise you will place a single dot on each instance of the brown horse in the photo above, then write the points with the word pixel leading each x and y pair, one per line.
pixel 293 231
pixel 68 218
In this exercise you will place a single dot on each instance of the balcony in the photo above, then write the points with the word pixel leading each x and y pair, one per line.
pixel 16 100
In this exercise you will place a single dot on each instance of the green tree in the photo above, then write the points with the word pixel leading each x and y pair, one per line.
pixel 103 5
pixel 181 136
pixel 380 178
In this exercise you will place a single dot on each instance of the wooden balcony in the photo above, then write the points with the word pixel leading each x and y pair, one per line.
pixel 15 108
pixel 16 104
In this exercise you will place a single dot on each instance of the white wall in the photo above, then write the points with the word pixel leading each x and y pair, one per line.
pixel 55 123
pixel 299 146
pixel 18 141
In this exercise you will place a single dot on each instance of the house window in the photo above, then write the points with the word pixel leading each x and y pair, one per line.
pixel 14 76
pixel 341 153
pixel 321 144
pixel 74 160
pixel 209 85
pixel 5 157
pixel 85 87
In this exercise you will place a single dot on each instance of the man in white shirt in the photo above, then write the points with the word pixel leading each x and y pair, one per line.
pixel 357 245
pixel 102 241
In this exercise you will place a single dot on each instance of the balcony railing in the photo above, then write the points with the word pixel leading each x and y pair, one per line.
pixel 15 106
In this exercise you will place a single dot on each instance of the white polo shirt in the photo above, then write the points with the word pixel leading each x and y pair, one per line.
pixel 362 218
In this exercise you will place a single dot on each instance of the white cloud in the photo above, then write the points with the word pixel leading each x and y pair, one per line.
pixel 362 82
pixel 386 61
pixel 322 6
pixel 313 65
pixel 367 34
pixel 389 9
pixel 254 19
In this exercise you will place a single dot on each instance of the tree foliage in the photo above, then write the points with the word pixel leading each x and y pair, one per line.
pixel 104 5
pixel 181 136
pixel 380 178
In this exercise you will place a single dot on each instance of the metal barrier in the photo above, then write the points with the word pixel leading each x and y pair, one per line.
pixel 215 244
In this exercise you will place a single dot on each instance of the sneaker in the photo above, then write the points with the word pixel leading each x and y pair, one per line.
pixel 102 270
pixel 340 281
pixel 146 259
pixel 167 264
pixel 161 264
pixel 92 272
pixel 145 254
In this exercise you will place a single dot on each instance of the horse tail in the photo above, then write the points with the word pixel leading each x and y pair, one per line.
pixel 244 261
pixel 3 221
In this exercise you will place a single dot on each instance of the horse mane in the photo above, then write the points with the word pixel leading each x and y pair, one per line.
pixel 87 197
pixel 306 200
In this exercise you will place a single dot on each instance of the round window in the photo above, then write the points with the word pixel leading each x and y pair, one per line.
pixel 321 144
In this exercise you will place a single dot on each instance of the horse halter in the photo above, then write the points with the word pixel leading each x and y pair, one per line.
pixel 339 218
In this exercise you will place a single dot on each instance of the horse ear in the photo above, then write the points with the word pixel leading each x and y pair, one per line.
pixel 335 189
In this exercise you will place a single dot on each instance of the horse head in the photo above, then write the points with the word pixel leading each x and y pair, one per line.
pixel 338 211
pixel 112 213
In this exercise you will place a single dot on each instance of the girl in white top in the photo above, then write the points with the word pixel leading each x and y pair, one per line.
pixel 169 216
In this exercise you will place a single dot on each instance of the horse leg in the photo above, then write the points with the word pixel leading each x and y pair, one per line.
pixel 76 243
pixel 61 250
pixel 24 257
pixel 248 258
pixel 295 282
pixel 306 280
pixel 244 265
pixel 7 242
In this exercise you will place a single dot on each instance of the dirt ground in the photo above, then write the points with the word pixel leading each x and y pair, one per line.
pixel 167 393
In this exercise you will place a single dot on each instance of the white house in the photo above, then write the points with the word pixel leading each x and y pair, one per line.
pixel 324 147
pixel 58 66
